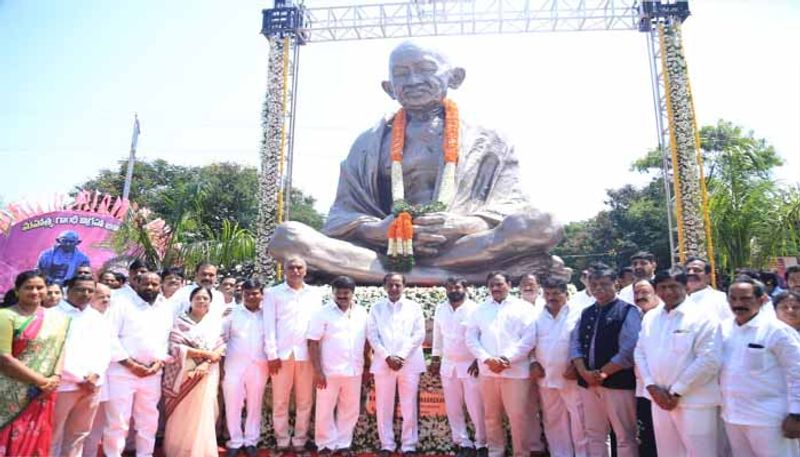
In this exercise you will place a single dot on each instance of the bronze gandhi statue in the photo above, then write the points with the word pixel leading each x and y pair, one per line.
pixel 482 220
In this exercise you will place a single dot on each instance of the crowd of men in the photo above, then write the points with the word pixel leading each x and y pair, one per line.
pixel 663 365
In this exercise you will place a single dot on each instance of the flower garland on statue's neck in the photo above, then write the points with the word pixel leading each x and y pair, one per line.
pixel 401 231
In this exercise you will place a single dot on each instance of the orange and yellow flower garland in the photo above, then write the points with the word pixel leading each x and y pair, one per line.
pixel 401 231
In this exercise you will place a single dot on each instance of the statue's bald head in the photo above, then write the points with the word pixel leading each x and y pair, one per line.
pixel 419 76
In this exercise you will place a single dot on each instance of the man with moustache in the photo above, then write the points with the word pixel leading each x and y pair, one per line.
pixel 205 275
pixel 396 330
pixel 288 307
pixel 100 302
pixel 699 286
pixel 644 266
pixel 583 298
pixel 561 405
pixel 140 330
pixel 678 356
pixel 760 377
pixel 135 269
pixel 644 294
pixel 337 345
pixel 601 347
pixel 792 277
pixel 458 368
pixel 530 292
pixel 87 353
pixel 500 335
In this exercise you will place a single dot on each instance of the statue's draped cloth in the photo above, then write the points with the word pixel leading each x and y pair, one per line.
pixel 486 183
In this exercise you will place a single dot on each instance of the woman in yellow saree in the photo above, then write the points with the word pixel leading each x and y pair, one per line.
pixel 31 343
pixel 191 381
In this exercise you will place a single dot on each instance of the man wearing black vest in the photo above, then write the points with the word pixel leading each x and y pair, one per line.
pixel 601 349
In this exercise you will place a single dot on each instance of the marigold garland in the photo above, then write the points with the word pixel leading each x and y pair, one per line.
pixel 400 247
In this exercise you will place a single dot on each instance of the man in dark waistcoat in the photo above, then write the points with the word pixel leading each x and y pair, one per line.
pixel 601 349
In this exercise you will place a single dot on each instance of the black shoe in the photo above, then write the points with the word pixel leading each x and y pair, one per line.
pixel 409 453
pixel 465 452
pixel 482 452
pixel 345 452
pixel 251 451
pixel 384 453
pixel 324 451
pixel 232 452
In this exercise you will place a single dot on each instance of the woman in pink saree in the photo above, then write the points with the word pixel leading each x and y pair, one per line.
pixel 191 381
pixel 31 343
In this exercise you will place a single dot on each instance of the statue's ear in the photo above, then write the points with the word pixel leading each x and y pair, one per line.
pixel 457 75
pixel 387 87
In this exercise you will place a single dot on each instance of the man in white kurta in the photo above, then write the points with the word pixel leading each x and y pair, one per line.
pixel 396 330
pixel 140 341
pixel 699 286
pixel 457 367
pixel 561 404
pixel 205 275
pixel 644 266
pixel 500 335
pixel 87 353
pixel 678 356
pixel 245 369
pixel 760 377
pixel 337 342
pixel 530 292
pixel 286 311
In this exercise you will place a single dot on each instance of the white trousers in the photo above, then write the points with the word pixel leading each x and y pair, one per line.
pixel 459 392
pixel 131 396
pixel 756 441
pixel 386 385
pixel 533 439
pixel 509 396
pixel 297 376
pixel 72 421
pixel 336 415
pixel 562 413
pixel 602 406
pixel 685 432
pixel 244 386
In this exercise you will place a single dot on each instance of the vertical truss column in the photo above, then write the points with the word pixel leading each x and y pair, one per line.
pixel 280 26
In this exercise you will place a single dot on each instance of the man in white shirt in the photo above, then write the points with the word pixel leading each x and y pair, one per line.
pixel 139 349
pixel 287 309
pixel 644 295
pixel 678 356
pixel 87 353
pixel 760 377
pixel 644 266
pixel 135 269
pixel 396 330
pixel 583 298
pixel 500 335
pixel 552 370
pixel 337 344
pixel 226 288
pixel 172 280
pixel 699 286
pixel 530 292
pixel 245 370
pixel 457 367
pixel 100 302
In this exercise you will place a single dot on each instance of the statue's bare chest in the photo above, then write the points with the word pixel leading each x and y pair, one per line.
pixel 423 159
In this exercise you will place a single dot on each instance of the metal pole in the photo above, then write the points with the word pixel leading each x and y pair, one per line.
pixel 126 190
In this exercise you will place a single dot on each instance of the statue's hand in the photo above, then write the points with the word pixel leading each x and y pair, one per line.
pixel 375 232
pixel 434 230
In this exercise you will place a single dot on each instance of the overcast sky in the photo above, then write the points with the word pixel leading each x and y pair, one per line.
pixel 577 106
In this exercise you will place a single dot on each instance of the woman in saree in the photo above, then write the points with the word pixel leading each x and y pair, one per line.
pixel 31 343
pixel 191 380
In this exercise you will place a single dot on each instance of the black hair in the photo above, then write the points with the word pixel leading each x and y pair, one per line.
pixel 676 273
pixel 706 268
pixel 137 264
pixel 71 281
pixel 790 270
pixel 768 277
pixel 643 255
pixel 345 282
pixel 391 275
pixel 23 277
pixel 251 284
pixel 197 291
pixel 202 265
pixel 172 271
pixel 601 270
pixel 121 278
pixel 453 280
pixel 494 273
pixel 554 283
pixel 785 295
pixel 624 270
pixel 758 287
pixel 9 299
